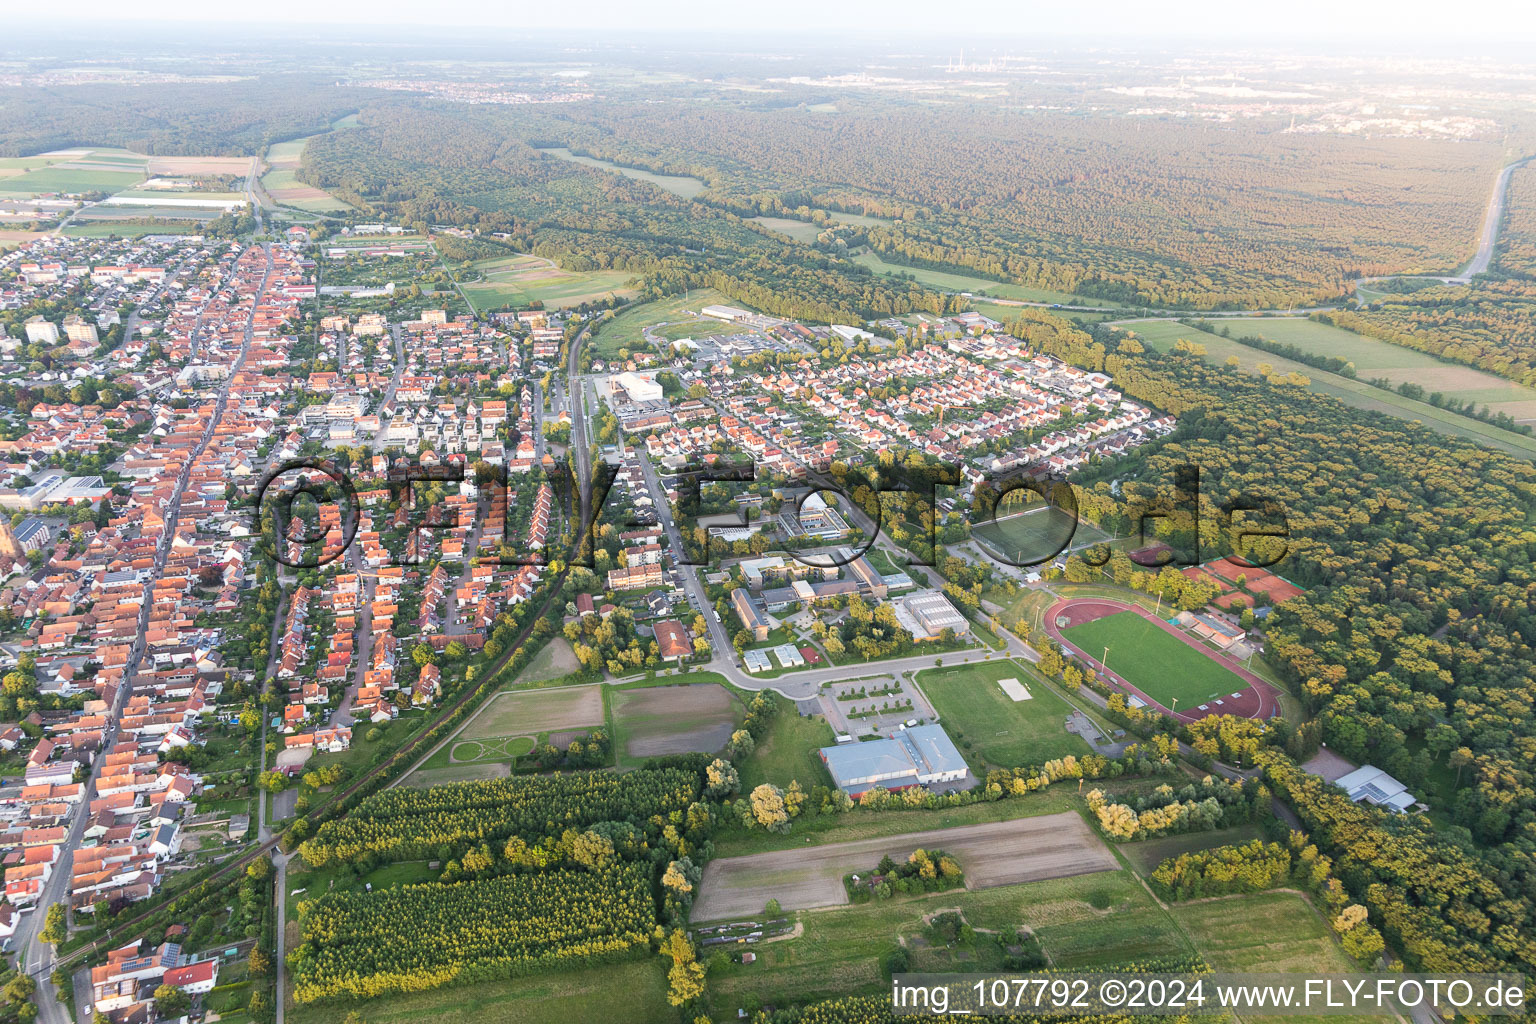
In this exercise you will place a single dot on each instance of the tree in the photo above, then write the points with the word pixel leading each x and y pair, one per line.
pixel 768 808
pixel 20 989
pixel 772 908
pixel 56 925
pixel 260 961
pixel 171 1001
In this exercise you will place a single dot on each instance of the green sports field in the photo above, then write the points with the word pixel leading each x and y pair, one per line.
pixel 1036 536
pixel 983 719
pixel 1162 666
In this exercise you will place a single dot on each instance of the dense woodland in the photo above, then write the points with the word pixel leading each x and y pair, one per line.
pixel 1093 207
pixel 1183 214
pixel 233 118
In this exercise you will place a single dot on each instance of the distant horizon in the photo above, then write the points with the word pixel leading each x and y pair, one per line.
pixel 989 25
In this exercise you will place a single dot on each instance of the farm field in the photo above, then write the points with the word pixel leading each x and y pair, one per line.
pixel 1035 536
pixel 281 180
pixel 799 230
pixel 55 178
pixel 955 282
pixel 677 184
pixel 520 280
pixel 1268 931
pixel 1161 335
pixel 657 720
pixel 105 229
pixel 991 854
pixel 989 725
pixel 529 712
pixel 1158 664
pixel 424 778
pixel 1082 922
pixel 1373 358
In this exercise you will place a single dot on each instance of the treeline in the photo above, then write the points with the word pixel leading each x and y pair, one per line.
pixel 1258 865
pixel 413 824
pixel 1202 806
pixel 408 938
pixel 1445 904
pixel 1414 640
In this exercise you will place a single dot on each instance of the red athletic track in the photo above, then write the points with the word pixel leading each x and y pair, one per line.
pixel 1259 700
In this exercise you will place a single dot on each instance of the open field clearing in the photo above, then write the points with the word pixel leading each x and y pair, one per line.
pixel 958 282
pixel 661 720
pixel 1162 334
pixel 472 772
pixel 626 329
pixel 555 659
pixel 1269 931
pixel 991 854
pixel 634 993
pixel 987 722
pixel 677 184
pixel 528 712
pixel 788 752
pixel 281 180
pixel 519 280
pixel 1399 365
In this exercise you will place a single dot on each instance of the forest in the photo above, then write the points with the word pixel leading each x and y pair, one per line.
pixel 434 164
pixel 1412 644
pixel 1182 214
pixel 223 118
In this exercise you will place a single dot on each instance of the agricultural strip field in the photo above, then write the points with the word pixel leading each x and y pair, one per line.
pixel 1373 358
pixel 984 720
pixel 528 712
pixel 1162 334
pixel 519 280
pixel 1158 664
pixel 1037 535
pixel 653 721
pixel 65 179
pixel 991 854
pixel 282 184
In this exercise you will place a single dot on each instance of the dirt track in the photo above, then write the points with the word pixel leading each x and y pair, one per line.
pixel 995 853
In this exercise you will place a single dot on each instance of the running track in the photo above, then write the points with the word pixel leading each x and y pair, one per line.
pixel 1259 700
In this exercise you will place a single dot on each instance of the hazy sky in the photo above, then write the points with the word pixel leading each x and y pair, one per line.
pixel 1333 21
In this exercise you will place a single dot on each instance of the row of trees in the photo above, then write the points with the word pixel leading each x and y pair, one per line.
pixel 1198 807
pixel 408 824
pixel 414 937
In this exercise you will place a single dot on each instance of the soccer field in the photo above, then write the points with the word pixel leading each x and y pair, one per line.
pixel 1158 664
pixel 1036 536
